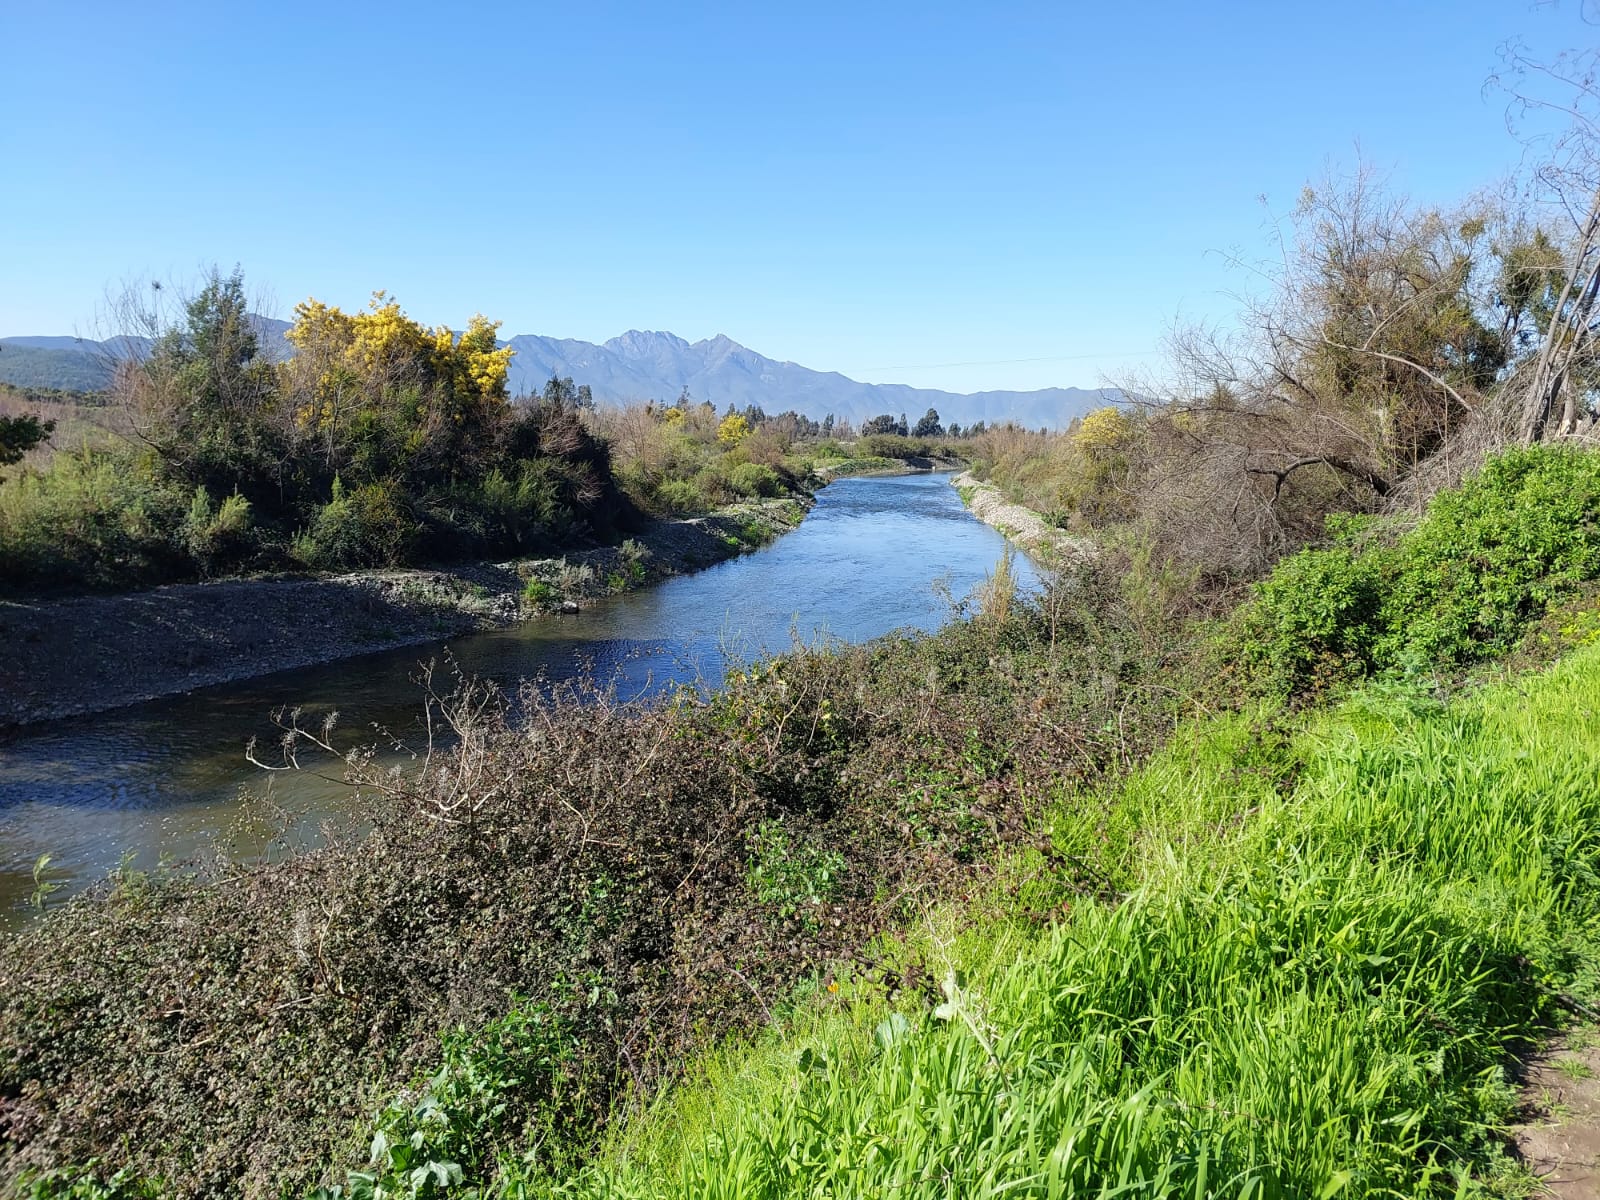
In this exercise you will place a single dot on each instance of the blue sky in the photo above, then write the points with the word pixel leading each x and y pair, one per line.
pixel 880 189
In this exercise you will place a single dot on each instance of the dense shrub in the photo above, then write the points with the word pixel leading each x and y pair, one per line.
pixel 755 479
pixel 587 899
pixel 218 536
pixel 1464 583
pixel 368 527
pixel 379 443
pixel 96 518
pixel 889 445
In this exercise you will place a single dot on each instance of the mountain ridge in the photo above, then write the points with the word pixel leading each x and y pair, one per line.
pixel 639 365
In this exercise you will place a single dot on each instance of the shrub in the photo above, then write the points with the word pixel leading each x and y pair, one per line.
pixel 96 518
pixel 680 497
pixel 1485 561
pixel 755 479
pixel 214 536
pixel 365 528
pixel 1320 612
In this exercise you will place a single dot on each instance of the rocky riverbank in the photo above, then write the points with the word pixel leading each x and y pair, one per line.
pixel 86 654
pixel 1025 528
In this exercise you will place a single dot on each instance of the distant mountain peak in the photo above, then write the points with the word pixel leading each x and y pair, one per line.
pixel 639 365
pixel 640 343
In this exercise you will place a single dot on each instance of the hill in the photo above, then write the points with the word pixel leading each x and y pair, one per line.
pixel 641 365
pixel 635 366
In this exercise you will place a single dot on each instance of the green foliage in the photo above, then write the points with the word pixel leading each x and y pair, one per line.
pixel 901 447
pixel 680 497
pixel 86 1183
pixel 20 434
pixel 368 527
pixel 215 536
pixel 1307 990
pixel 408 430
pixel 794 882
pixel 499 1089
pixel 1485 561
pixel 755 479
pixel 95 518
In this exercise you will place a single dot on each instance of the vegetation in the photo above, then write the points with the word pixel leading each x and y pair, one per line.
pixel 380 442
pixel 1458 587
pixel 541 930
pixel 1121 889
pixel 20 434
pixel 1299 979
pixel 685 459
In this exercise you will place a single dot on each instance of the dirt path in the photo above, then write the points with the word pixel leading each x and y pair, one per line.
pixel 1560 1140
pixel 87 654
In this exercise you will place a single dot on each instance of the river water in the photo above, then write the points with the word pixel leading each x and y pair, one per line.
pixel 164 779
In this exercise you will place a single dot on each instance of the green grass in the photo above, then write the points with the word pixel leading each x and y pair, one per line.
pixel 1327 945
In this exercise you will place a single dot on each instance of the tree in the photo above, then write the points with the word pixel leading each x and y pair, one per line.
pixel 563 393
pixel 928 426
pixel 385 397
pixel 206 399
pixel 882 423
pixel 1557 389
pixel 733 429
pixel 20 434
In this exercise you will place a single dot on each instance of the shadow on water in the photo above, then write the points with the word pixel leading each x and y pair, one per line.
pixel 164 779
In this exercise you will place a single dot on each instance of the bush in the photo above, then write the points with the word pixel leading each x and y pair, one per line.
pixel 217 537
pixel 365 528
pixel 1485 561
pixel 680 497
pixel 755 479
pixel 889 445
pixel 95 518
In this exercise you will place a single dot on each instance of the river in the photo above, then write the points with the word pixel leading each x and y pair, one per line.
pixel 163 780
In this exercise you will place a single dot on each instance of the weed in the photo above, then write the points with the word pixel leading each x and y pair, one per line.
pixel 792 882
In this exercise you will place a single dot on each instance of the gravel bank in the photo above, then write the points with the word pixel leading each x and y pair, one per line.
pixel 1022 526
pixel 87 654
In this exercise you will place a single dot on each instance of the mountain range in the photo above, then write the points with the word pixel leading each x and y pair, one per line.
pixel 636 366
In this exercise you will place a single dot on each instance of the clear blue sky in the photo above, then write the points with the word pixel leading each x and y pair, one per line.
pixel 872 188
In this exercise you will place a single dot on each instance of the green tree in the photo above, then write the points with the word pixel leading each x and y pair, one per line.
pixel 20 434
pixel 206 399
pixel 928 426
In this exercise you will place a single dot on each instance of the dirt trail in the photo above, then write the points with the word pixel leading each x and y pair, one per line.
pixel 1560 1142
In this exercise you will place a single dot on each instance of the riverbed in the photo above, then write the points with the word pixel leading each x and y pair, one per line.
pixel 166 779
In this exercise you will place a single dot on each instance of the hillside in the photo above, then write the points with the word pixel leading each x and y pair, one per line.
pixel 632 367
pixel 654 365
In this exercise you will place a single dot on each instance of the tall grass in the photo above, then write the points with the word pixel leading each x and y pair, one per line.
pixel 1328 946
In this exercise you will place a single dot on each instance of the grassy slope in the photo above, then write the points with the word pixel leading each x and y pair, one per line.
pixel 1311 988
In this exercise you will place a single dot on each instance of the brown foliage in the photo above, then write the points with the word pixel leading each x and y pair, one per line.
pixel 232 1033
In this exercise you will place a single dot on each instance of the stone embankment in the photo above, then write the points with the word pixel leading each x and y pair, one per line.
pixel 1030 532
pixel 84 654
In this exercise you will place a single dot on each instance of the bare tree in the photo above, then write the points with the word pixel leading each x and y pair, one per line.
pixel 1554 107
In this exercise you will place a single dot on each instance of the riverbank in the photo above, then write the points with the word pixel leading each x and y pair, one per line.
pixel 87 654
pixel 1022 526
pixel 870 465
